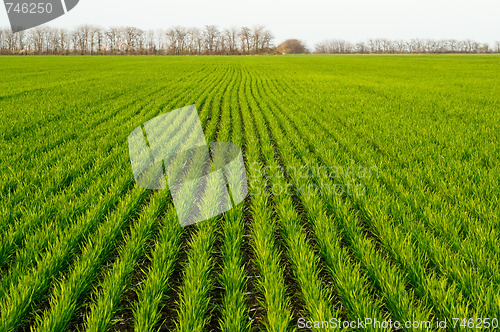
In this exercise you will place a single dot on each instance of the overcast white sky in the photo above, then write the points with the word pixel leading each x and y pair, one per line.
pixel 309 20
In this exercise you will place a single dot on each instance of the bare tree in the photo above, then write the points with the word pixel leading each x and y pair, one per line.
pixel 99 35
pixel 257 35
pixel 361 47
pixel 132 39
pixel 95 39
pixel 150 42
pixel 39 37
pixel 195 41
pixel 113 39
pixel 452 45
pixel 53 44
pixel 211 34
pixel 335 46
pixel 497 46
pixel 171 41
pixel 231 39
pixel 245 36
pixel 375 45
pixel 400 46
pixel 484 48
pixel 180 34
pixel 9 42
pixel 84 34
pixel 266 40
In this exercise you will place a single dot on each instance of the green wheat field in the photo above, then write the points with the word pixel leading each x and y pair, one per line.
pixel 374 186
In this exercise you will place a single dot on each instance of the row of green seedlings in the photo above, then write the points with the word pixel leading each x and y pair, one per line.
pixel 147 311
pixel 58 151
pixel 102 310
pixel 316 298
pixel 30 287
pixel 193 307
pixel 45 209
pixel 287 120
pixel 66 213
pixel 462 230
pixel 461 260
pixel 270 283
pixel 461 172
pixel 392 286
pixel 42 207
pixel 234 307
pixel 455 242
pixel 50 183
pixel 348 282
pixel 446 306
pixel 60 252
pixel 436 169
pixel 36 241
pixel 36 246
pixel 64 299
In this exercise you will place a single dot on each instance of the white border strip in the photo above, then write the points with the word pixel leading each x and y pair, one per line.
pixel 64 6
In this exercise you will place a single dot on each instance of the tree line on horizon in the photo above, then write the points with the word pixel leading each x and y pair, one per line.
pixel 209 40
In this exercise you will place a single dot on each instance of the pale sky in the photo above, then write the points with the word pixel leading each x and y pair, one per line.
pixel 311 21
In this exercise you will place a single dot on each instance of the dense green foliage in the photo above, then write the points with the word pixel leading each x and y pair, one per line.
pixel 403 226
